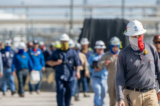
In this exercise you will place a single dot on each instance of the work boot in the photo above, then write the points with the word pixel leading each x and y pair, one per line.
pixel 38 92
pixel 86 95
pixel 77 97
pixel 4 94
pixel 21 95
pixel 13 92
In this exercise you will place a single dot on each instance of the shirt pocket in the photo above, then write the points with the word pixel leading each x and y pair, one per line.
pixel 151 64
pixel 70 61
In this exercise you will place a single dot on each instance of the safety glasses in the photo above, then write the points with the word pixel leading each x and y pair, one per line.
pixel 157 42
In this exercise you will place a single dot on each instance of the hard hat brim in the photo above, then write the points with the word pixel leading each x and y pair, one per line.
pixel 64 39
pixel 135 34
pixel 98 47
pixel 85 43
pixel 116 44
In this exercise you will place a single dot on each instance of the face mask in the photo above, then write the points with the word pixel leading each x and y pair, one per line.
pixel 64 46
pixel 137 43
pixel 20 51
pixel 35 50
pixel 42 47
pixel 111 49
pixel 7 48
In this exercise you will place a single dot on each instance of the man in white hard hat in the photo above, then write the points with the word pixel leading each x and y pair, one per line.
pixel 42 46
pixel 88 52
pixel 136 67
pixel 83 71
pixel 21 64
pixel 65 60
pixel 110 61
pixel 71 44
pixel 38 62
pixel 99 75
pixel 8 78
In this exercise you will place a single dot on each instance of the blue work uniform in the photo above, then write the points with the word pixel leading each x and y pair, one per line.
pixel 22 63
pixel 99 81
pixel 86 81
pixel 8 78
pixel 65 74
pixel 38 63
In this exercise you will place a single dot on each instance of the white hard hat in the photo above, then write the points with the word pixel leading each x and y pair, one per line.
pixel 71 43
pixel 84 41
pixel 135 28
pixel 115 41
pixel 21 45
pixel 7 43
pixel 64 37
pixel 41 43
pixel 77 45
pixel 100 45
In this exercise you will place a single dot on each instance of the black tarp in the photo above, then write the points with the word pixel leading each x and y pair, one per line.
pixel 104 29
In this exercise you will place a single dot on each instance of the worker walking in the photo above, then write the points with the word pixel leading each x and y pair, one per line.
pixel 136 66
pixel 110 61
pixel 65 60
pixel 156 42
pixel 99 76
pixel 83 71
pixel 21 65
pixel 88 52
pixel 37 58
pixel 8 78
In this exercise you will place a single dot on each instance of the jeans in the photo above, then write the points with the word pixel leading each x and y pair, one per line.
pixel 75 88
pixel 8 78
pixel 82 80
pixel 37 86
pixel 100 89
pixel 22 76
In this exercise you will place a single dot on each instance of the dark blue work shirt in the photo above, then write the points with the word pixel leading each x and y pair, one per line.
pixel 7 57
pixel 70 58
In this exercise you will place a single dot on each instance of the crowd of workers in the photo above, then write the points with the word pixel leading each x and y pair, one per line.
pixel 129 76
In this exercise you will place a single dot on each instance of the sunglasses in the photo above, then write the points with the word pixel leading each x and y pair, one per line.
pixel 157 42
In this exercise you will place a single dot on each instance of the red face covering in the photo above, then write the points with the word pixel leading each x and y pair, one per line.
pixel 35 50
pixel 42 47
pixel 140 43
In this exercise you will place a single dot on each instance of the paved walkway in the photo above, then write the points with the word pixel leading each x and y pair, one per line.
pixel 43 99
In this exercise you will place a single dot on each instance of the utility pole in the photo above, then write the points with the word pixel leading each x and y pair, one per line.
pixel 71 17
pixel 85 2
pixel 123 9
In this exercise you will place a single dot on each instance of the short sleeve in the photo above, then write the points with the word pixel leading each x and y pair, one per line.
pixel 77 61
